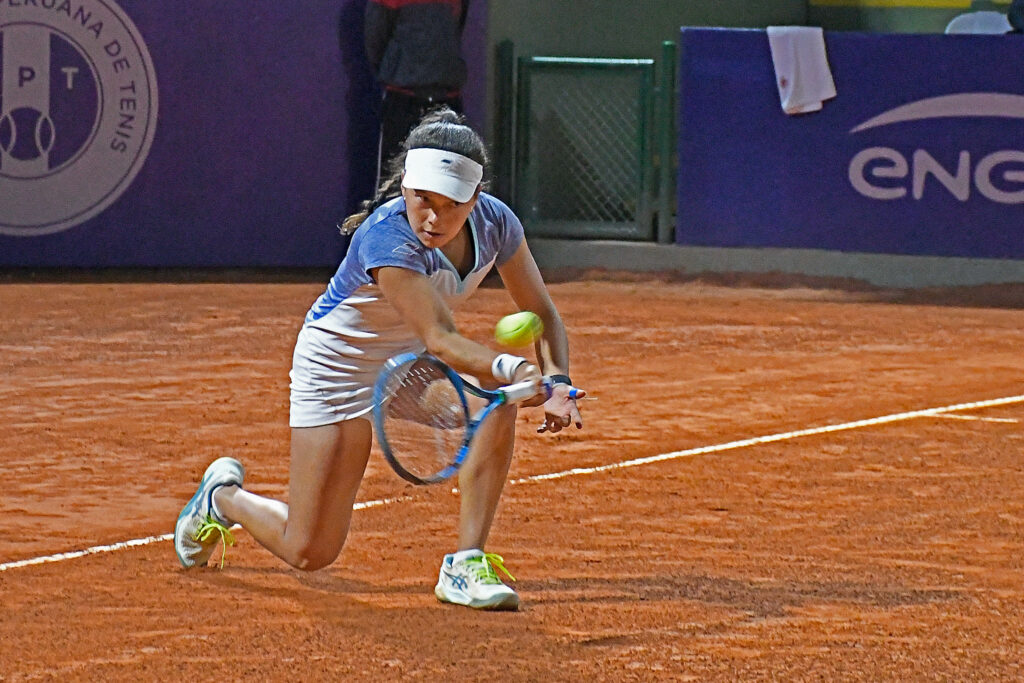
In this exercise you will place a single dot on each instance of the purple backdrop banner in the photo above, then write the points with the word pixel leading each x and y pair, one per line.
pixel 921 152
pixel 235 133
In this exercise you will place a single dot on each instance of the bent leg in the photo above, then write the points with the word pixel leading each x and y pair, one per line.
pixel 327 465
pixel 482 476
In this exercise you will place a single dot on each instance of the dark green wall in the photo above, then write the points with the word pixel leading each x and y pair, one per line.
pixel 896 19
pixel 637 28
pixel 619 28
pixel 624 28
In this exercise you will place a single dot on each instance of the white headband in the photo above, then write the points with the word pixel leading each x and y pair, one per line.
pixel 447 173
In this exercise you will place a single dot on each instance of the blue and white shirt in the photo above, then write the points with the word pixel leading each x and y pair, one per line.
pixel 353 313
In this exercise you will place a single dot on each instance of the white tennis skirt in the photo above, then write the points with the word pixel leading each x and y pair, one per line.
pixel 332 380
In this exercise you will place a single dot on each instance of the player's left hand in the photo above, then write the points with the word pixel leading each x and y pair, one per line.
pixel 560 410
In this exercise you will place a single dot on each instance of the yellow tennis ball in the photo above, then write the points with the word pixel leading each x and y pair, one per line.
pixel 519 329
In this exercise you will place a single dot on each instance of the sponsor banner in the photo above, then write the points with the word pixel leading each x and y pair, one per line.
pixel 921 152
pixel 138 133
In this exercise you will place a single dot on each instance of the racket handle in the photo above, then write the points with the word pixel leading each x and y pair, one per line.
pixel 514 393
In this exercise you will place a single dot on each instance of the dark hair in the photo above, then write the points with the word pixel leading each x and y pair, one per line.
pixel 440 129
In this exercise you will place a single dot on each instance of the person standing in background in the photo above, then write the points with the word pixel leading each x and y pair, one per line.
pixel 414 49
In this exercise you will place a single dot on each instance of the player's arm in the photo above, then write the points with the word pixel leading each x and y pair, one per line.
pixel 427 314
pixel 524 283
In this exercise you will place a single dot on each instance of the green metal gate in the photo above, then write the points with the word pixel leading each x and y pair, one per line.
pixel 587 151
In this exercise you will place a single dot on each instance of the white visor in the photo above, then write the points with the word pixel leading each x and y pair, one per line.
pixel 447 173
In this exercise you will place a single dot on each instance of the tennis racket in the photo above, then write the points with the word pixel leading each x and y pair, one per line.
pixel 422 417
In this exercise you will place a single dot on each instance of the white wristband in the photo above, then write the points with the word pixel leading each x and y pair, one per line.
pixel 504 367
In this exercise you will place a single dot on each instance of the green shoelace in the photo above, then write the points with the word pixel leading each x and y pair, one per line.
pixel 483 567
pixel 226 538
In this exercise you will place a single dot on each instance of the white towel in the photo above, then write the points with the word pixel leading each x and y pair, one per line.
pixel 801 67
pixel 993 23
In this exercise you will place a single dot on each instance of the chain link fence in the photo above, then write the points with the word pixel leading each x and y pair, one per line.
pixel 585 148
pixel 583 132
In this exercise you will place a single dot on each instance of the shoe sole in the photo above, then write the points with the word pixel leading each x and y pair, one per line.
pixel 192 501
pixel 506 603
pixel 187 510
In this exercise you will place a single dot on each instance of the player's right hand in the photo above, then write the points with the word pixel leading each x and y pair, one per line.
pixel 529 372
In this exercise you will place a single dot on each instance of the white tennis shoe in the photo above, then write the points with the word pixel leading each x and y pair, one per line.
pixel 468 578
pixel 199 527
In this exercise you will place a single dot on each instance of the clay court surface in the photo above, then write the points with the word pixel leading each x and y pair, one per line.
pixel 887 550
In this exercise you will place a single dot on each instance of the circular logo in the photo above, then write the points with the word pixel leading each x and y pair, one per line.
pixel 78 108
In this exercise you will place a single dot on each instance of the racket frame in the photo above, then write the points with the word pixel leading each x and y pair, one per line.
pixel 510 394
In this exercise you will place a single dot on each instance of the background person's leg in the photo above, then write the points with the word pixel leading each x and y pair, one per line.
pixel 400 113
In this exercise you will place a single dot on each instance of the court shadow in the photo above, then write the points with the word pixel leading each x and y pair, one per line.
pixel 303 586
pixel 756 598
pixel 325 590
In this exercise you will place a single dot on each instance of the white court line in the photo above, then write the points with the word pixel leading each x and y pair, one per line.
pixel 60 557
pixel 758 440
pixel 980 419
pixel 689 453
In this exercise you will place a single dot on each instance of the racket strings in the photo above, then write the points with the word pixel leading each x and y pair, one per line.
pixel 425 419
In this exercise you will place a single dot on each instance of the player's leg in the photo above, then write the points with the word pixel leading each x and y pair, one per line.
pixel 327 465
pixel 468 576
pixel 482 476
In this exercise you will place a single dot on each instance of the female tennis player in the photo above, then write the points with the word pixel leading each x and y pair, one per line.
pixel 421 246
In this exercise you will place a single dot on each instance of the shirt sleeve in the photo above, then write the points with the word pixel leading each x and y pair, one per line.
pixel 512 234
pixel 392 243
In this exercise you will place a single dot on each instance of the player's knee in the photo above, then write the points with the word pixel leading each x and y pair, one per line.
pixel 310 553
pixel 312 559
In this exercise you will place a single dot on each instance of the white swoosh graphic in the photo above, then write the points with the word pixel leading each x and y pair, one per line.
pixel 951 106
